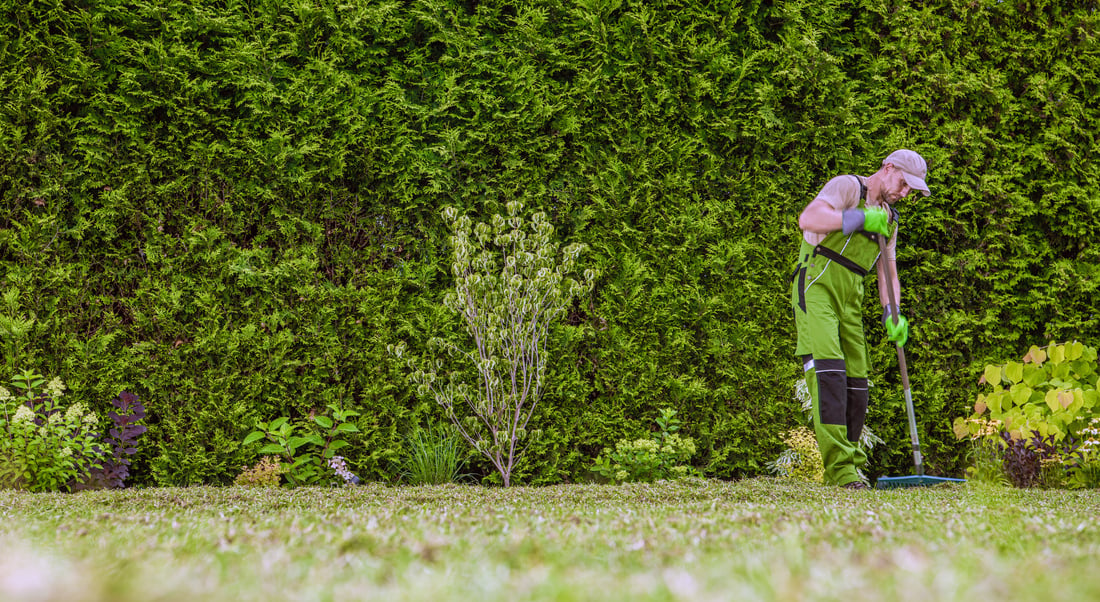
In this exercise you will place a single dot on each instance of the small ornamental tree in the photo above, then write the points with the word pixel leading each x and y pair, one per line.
pixel 511 285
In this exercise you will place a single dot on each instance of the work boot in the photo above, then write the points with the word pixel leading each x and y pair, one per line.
pixel 857 485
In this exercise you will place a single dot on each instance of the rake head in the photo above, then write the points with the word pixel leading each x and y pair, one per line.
pixel 914 481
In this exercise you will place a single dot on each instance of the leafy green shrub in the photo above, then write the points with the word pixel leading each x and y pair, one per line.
pixel 1053 391
pixel 306 449
pixel 1085 476
pixel 1037 409
pixel 44 446
pixel 433 456
pixel 649 459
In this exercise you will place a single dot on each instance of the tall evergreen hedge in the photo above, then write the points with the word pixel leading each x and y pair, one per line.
pixel 231 207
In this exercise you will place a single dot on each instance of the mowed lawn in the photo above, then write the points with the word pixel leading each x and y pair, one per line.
pixel 758 539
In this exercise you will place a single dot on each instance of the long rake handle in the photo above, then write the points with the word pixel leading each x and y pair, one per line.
pixel 901 358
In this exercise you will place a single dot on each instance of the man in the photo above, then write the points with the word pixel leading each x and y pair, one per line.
pixel 840 230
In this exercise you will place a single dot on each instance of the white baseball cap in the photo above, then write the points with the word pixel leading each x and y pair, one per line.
pixel 912 167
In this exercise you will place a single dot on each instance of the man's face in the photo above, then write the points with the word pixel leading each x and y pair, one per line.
pixel 896 188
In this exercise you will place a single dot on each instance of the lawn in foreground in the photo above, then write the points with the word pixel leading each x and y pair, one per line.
pixel 758 539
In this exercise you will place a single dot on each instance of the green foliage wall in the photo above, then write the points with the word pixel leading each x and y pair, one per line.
pixel 231 207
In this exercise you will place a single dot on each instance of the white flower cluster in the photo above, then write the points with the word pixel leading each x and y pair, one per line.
pixel 23 415
pixel 1091 445
pixel 56 388
pixel 74 413
pixel 340 467
pixel 5 394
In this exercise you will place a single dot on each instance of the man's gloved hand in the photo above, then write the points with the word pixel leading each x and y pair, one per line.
pixel 875 219
pixel 898 333
pixel 871 219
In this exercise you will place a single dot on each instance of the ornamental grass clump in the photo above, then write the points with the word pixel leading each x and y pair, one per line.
pixel 986 455
pixel 433 456
pixel 512 285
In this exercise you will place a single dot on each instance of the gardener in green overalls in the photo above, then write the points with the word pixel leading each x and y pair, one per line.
pixel 839 247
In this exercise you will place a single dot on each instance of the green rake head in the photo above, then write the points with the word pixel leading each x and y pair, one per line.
pixel 914 481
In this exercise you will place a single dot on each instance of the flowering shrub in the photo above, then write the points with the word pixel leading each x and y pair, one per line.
pixel 44 446
pixel 644 459
pixel 1090 447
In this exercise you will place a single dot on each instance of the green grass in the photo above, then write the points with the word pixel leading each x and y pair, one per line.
pixel 759 539
pixel 433 456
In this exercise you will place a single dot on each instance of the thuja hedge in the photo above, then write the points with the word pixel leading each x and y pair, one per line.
pixel 231 208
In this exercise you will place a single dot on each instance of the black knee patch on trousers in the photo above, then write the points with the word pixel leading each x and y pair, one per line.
pixel 832 391
pixel 857 407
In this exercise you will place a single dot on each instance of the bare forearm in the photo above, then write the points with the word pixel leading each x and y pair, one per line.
pixel 820 217
pixel 895 283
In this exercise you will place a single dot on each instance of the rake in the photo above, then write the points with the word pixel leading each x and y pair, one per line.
pixel 920 479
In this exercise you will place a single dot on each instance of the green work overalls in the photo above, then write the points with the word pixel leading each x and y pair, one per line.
pixel 827 295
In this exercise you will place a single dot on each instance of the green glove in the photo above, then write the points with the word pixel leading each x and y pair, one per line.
pixel 898 333
pixel 871 219
pixel 875 219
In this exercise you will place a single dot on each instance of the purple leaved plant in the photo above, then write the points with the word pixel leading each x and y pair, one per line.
pixel 122 437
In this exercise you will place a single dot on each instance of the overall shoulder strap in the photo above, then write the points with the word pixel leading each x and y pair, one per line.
pixel 862 187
